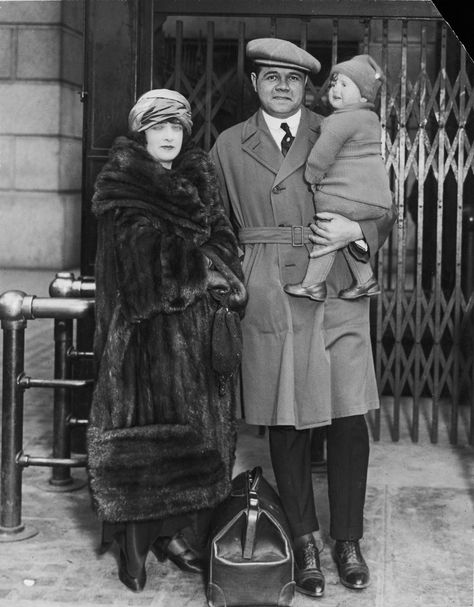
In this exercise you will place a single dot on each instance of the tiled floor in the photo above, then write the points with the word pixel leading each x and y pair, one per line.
pixel 418 527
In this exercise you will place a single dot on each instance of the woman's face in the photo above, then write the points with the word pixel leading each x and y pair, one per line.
pixel 164 141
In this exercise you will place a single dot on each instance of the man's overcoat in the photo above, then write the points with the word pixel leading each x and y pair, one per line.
pixel 304 362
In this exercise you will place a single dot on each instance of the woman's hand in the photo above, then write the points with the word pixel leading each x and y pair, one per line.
pixel 333 232
pixel 215 280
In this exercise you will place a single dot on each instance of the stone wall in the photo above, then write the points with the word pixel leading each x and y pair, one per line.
pixel 41 60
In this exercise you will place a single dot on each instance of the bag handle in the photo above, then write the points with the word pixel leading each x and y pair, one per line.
pixel 253 479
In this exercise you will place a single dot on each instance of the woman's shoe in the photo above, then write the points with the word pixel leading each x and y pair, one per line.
pixel 179 551
pixel 136 584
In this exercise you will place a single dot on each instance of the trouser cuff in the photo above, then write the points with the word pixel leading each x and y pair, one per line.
pixel 304 527
pixel 351 533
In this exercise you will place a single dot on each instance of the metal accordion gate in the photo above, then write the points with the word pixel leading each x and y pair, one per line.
pixel 423 331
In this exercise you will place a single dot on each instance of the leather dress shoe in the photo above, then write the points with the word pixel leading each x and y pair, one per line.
pixel 318 292
pixel 137 584
pixel 353 570
pixel 366 289
pixel 179 552
pixel 308 575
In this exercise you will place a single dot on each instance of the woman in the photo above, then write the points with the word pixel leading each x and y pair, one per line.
pixel 161 436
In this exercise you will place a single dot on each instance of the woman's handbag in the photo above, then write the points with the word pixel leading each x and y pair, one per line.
pixel 251 560
pixel 226 337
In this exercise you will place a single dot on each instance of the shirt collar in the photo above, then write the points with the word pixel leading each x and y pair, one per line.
pixel 274 123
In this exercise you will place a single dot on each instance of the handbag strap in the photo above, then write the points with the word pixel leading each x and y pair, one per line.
pixel 253 479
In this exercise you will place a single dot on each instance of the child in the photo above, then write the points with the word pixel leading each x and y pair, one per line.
pixel 346 171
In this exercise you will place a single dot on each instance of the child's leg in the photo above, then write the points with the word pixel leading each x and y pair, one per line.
pixel 318 269
pixel 364 284
pixel 361 272
pixel 314 282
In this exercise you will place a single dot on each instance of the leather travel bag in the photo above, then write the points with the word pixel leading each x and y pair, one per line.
pixel 251 559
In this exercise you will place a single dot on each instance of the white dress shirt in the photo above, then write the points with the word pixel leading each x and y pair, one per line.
pixel 274 125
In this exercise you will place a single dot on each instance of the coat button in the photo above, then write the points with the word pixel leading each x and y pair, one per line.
pixel 276 190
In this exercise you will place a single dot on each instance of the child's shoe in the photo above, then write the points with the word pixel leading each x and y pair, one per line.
pixel 317 292
pixel 366 289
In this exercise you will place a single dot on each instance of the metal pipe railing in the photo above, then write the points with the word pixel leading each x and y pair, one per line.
pixel 28 460
pixel 65 285
pixel 25 382
pixel 16 307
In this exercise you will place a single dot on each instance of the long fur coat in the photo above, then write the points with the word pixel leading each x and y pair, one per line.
pixel 161 437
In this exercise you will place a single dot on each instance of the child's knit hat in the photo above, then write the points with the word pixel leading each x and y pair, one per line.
pixel 365 72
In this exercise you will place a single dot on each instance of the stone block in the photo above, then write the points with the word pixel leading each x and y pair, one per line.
pixel 40 109
pixel 45 164
pixel 39 53
pixel 30 108
pixel 30 11
pixel 39 231
pixel 6 52
pixel 7 162
pixel 37 163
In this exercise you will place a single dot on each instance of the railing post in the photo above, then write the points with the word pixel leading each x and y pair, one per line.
pixel 66 285
pixel 13 326
pixel 61 479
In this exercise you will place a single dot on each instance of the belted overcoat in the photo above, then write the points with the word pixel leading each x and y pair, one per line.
pixel 304 362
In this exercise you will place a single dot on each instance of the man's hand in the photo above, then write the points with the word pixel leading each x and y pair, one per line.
pixel 333 232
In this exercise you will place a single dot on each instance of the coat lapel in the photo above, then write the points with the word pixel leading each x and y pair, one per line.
pixel 308 132
pixel 258 143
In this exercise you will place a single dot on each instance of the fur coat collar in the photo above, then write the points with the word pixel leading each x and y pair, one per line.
pixel 132 178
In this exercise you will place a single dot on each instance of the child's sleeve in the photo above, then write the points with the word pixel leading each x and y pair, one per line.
pixel 325 150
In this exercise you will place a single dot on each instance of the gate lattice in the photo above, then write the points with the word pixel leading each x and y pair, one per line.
pixel 423 321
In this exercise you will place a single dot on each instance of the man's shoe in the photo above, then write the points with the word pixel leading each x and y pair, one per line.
pixel 353 570
pixel 366 289
pixel 180 552
pixel 318 292
pixel 308 575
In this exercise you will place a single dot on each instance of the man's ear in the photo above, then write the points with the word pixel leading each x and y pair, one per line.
pixel 253 79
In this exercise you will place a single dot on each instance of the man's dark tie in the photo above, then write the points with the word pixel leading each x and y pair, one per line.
pixel 287 139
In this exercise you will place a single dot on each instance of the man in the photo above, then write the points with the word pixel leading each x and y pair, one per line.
pixel 305 364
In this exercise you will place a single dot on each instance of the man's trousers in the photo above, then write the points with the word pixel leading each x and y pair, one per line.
pixel 347 463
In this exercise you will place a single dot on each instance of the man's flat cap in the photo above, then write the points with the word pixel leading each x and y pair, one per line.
pixel 281 53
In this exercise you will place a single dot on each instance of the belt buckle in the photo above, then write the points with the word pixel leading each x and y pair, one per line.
pixel 297 236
